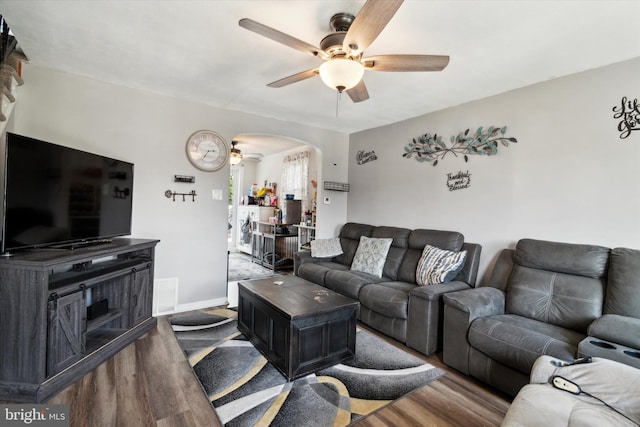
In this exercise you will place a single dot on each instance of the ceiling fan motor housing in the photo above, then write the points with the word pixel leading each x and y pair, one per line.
pixel 333 43
pixel 341 21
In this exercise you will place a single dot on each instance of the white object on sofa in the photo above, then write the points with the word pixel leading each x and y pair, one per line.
pixel 326 248
pixel 541 404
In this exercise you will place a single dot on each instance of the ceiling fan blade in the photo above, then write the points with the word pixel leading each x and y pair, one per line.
pixel 371 20
pixel 280 37
pixel 406 62
pixel 303 75
pixel 359 92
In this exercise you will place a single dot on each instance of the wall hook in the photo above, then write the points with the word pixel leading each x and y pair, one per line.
pixel 172 195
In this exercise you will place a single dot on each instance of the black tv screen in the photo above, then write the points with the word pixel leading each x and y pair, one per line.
pixel 55 195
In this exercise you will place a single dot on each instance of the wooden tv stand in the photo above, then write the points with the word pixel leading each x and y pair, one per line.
pixel 48 341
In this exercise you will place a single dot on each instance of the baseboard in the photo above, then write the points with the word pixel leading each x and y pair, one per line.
pixel 217 302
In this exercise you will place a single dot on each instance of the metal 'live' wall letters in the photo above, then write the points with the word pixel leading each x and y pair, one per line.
pixel 629 114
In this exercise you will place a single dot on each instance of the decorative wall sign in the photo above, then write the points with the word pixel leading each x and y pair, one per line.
pixel 363 157
pixel 431 148
pixel 629 114
pixel 459 181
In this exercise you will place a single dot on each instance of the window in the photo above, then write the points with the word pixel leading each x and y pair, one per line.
pixel 295 178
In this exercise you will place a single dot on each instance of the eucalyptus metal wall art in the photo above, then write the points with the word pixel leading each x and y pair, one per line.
pixel 629 114
pixel 431 148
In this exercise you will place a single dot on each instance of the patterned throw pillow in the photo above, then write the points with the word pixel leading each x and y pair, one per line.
pixel 326 248
pixel 371 255
pixel 438 265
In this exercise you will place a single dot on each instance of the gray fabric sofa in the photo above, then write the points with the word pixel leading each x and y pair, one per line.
pixel 540 404
pixel 394 304
pixel 545 298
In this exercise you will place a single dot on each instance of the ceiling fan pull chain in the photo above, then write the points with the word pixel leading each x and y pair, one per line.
pixel 338 93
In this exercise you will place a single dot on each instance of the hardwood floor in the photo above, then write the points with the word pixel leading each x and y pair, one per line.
pixel 150 383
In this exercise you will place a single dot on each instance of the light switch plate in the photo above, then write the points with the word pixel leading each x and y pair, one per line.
pixel 216 194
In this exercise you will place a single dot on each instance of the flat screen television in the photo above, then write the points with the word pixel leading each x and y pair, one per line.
pixel 57 196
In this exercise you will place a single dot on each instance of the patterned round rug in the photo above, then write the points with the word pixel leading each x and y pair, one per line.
pixel 246 390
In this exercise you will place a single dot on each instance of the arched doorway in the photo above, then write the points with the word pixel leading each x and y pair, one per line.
pixel 264 158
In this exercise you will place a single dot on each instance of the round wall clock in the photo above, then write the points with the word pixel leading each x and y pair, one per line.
pixel 207 150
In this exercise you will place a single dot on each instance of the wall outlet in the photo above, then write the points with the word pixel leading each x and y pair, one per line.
pixel 327 200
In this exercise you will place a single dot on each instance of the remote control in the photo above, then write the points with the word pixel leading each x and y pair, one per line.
pixel 580 360
pixel 565 384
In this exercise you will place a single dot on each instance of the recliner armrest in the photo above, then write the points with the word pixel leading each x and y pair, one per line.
pixel 460 309
pixel 303 257
pixel 478 302
pixel 617 329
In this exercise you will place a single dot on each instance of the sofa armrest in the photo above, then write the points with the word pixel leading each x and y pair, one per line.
pixel 615 383
pixel 303 257
pixel 460 309
pixel 617 329
pixel 433 292
pixel 425 317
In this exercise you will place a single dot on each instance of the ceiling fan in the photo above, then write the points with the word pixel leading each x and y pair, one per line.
pixel 343 50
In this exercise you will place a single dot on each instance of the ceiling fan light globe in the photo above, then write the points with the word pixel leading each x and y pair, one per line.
pixel 341 74
pixel 235 158
pixel 235 155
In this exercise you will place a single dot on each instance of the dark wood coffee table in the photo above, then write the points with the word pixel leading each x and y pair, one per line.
pixel 300 327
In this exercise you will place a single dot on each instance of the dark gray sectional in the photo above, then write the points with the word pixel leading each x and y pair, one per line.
pixel 394 304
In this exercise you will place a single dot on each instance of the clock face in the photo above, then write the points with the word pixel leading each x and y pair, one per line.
pixel 207 150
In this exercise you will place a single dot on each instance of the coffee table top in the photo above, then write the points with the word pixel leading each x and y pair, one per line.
pixel 296 297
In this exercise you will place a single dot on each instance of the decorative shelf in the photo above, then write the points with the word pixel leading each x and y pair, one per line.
pixel 336 186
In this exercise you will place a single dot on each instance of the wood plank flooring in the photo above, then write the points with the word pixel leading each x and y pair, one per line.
pixel 150 383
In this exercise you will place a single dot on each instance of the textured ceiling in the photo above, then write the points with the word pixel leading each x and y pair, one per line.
pixel 196 50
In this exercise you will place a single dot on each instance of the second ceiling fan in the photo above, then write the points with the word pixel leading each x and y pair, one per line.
pixel 343 50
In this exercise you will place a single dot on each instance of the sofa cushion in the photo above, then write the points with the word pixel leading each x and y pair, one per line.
pixel 390 299
pixel 397 250
pixel 569 258
pixel 418 239
pixel 561 299
pixel 316 271
pixel 349 282
pixel 517 342
pixel 623 285
pixel 449 240
pixel 326 248
pixel 350 239
pixel 371 255
pixel 438 265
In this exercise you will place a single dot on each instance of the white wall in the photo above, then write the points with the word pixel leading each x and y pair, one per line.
pixel 569 178
pixel 151 130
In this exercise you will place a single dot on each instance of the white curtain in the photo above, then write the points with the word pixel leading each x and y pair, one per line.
pixel 295 178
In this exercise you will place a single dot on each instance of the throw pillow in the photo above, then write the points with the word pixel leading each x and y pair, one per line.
pixel 326 248
pixel 371 255
pixel 438 265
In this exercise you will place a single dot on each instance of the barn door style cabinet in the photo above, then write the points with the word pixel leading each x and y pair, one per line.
pixel 64 312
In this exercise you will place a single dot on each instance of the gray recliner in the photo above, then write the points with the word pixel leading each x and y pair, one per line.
pixel 541 299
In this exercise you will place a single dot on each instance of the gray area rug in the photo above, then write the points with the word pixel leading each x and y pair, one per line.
pixel 246 390
pixel 241 268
